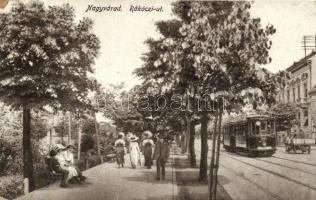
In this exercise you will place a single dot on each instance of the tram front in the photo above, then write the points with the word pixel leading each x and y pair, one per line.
pixel 261 136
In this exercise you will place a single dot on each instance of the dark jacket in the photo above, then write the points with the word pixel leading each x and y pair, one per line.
pixel 161 151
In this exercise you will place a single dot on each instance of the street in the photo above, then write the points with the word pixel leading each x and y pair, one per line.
pixel 282 176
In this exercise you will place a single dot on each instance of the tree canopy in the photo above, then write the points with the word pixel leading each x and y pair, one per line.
pixel 45 56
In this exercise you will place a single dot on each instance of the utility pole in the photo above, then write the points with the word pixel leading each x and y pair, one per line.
pixel 308 43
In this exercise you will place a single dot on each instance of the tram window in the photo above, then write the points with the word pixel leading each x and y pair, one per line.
pixel 253 131
pixel 257 127
pixel 263 126
pixel 269 127
pixel 244 130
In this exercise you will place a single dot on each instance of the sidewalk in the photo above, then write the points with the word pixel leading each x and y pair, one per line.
pixel 107 182
pixel 188 185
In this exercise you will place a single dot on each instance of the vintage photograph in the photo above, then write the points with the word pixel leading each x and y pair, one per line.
pixel 157 100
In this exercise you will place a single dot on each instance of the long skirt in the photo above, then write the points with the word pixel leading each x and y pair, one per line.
pixel 134 156
pixel 148 156
pixel 120 156
pixel 71 169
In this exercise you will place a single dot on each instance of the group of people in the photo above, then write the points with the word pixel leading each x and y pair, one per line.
pixel 62 161
pixel 158 151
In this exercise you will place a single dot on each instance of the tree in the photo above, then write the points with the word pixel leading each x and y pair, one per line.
pixel 45 59
pixel 217 56
pixel 162 79
pixel 285 113
pixel 87 143
pixel 116 104
pixel 226 46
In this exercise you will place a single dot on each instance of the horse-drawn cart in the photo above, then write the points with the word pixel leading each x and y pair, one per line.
pixel 299 145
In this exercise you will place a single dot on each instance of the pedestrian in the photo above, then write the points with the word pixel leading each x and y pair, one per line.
pixel 134 151
pixel 161 155
pixel 148 145
pixel 120 150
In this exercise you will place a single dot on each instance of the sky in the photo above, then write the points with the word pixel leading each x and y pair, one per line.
pixel 122 34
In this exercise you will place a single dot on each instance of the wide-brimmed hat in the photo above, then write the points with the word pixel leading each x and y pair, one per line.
pixel 133 138
pixel 70 146
pixel 59 147
pixel 121 134
pixel 147 134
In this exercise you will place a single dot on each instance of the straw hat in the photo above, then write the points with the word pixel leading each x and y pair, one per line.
pixel 70 146
pixel 58 147
pixel 133 138
pixel 147 133
pixel 121 134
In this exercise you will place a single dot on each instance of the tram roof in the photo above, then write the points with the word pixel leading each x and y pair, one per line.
pixel 244 118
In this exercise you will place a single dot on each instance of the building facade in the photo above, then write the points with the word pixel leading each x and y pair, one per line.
pixel 299 87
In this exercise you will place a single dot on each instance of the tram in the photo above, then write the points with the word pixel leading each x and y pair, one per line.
pixel 253 135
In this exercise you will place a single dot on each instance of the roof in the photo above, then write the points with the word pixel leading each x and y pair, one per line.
pixel 244 118
pixel 302 62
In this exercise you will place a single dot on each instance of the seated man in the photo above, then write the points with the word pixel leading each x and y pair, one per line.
pixel 55 166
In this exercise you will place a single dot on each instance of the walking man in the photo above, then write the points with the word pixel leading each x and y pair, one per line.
pixel 161 155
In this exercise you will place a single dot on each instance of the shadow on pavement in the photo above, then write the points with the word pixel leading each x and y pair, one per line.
pixel 149 176
pixel 189 188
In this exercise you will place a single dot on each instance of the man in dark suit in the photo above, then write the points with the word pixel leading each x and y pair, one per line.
pixel 161 155
pixel 55 165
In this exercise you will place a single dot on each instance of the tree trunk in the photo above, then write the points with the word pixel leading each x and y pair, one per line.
pixel 191 144
pixel 62 133
pixel 97 137
pixel 50 138
pixel 187 137
pixel 183 138
pixel 69 128
pixel 87 159
pixel 204 148
pixel 28 175
pixel 211 173
pixel 216 166
pixel 79 139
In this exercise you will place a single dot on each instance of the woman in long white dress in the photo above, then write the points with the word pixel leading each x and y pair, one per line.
pixel 65 159
pixel 134 152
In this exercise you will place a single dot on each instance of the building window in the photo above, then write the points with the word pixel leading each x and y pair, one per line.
pixel 293 90
pixel 288 95
pixel 299 91
pixel 305 113
pixel 305 90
